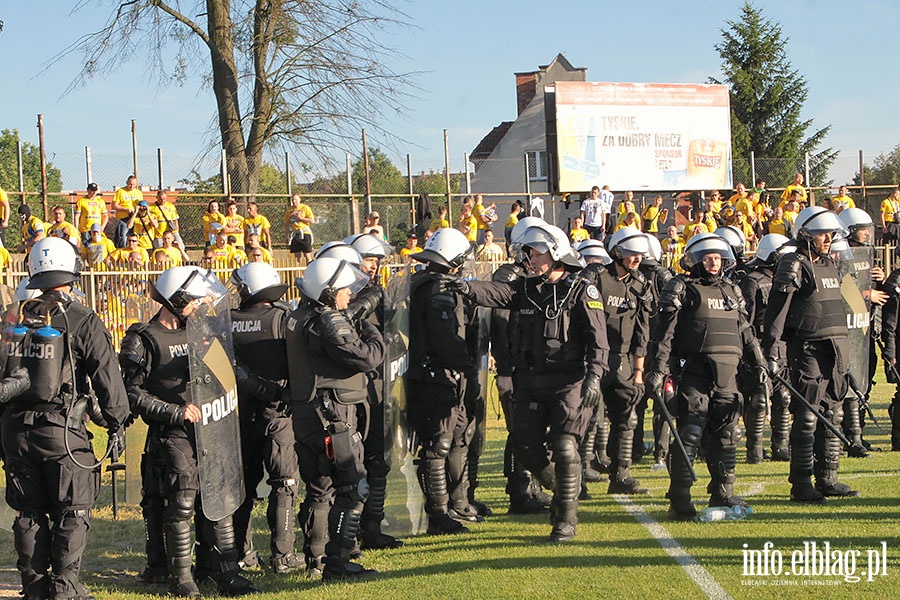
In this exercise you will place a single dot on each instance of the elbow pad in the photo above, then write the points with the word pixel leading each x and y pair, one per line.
pixel 15 385
pixel 673 294
pixel 336 327
pixel 153 409
pixel 789 275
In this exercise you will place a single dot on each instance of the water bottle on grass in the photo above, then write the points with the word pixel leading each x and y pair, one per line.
pixel 724 513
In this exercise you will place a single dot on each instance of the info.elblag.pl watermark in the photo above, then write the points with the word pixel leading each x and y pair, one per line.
pixel 812 563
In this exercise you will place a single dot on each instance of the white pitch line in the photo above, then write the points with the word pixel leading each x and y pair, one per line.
pixel 695 570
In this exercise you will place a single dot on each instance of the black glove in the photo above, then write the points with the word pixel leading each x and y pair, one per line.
pixel 653 383
pixel 590 391
pixel 457 284
pixel 366 303
pixel 774 366
pixel 116 443
pixel 16 384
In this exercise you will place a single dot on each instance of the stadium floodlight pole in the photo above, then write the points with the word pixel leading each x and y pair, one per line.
pixel 802 400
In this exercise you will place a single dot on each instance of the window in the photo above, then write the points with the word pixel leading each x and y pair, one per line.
pixel 537 165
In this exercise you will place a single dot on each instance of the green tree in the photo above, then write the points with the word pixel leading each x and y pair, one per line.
pixel 884 170
pixel 384 177
pixel 31 166
pixel 305 74
pixel 767 97
pixel 434 184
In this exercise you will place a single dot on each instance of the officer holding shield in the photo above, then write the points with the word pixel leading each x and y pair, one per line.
pixel 154 361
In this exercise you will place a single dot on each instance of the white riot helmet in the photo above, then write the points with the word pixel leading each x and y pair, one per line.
pixel 23 293
pixel 523 224
pixel 771 247
pixel 840 249
pixel 545 238
pixel 258 282
pixel 341 251
pixel 592 251
pixel 179 286
pixel 859 224
pixel 736 239
pixel 815 220
pixel 628 241
pixel 654 250
pixel 447 248
pixel 52 262
pixel 706 243
pixel 369 245
pixel 324 277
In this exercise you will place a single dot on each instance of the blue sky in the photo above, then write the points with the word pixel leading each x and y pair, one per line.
pixel 469 51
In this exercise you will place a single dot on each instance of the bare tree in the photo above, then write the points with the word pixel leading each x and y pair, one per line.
pixel 307 72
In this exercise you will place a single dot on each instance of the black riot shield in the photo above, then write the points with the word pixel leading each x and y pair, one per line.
pixel 9 310
pixel 405 507
pixel 855 266
pixel 214 392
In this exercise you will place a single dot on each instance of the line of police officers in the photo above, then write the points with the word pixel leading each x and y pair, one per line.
pixel 572 341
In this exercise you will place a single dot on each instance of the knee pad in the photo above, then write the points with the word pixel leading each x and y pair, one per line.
pixel 565 449
pixel 181 505
pixel 692 433
pixel 377 466
pixel 439 447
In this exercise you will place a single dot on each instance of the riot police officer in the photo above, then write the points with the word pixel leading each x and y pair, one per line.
pixel 890 336
pixel 267 436
pixel 560 355
pixel 51 479
pixel 806 310
pixel 701 335
pixel 438 356
pixel 626 299
pixel 329 356
pixel 525 493
pixel 756 287
pixel 857 261
pixel 369 305
pixel 155 367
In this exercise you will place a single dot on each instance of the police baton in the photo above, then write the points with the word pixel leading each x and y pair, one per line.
pixel 114 467
pixel 802 400
pixel 861 397
pixel 669 388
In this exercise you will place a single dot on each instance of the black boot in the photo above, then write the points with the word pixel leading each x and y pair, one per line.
pixel 31 532
pixel 620 480
pixel 314 524
pixel 781 425
pixel 280 517
pixel 68 539
pixel 372 537
pixel 483 509
pixel 722 463
pixel 826 470
pixel 227 574
pixel 433 480
pixel 178 554
pixel 564 507
pixel 801 470
pixel 589 474
pixel 458 487
pixel 755 424
pixel 343 529
pixel 852 428
pixel 601 455
pixel 680 481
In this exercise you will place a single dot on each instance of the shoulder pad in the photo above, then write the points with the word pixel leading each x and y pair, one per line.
pixel 592 273
pixel 507 273
pixel 336 327
pixel 137 347
pixel 789 273
pixel 673 293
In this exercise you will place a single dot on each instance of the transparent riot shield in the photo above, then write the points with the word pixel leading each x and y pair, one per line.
pixel 135 305
pixel 482 332
pixel 855 267
pixel 214 392
pixel 405 507
pixel 9 309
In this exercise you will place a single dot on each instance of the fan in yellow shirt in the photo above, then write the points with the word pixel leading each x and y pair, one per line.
pixel 578 232
pixel 694 227
pixel 842 201
pixel 258 224
pixel 211 218
pixel 90 210
pixel 797 186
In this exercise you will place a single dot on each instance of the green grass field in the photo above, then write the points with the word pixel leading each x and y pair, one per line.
pixel 614 556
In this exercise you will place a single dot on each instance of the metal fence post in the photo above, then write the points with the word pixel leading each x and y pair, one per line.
pixel 365 143
pixel 287 173
pixel 159 167
pixel 412 193
pixel 87 164
pixel 527 187
pixel 447 175
pixel 43 165
pixel 752 168
pixel 354 203
pixel 226 184
pixel 468 175
pixel 808 180
pixel 862 178
pixel 21 170
pixel 134 148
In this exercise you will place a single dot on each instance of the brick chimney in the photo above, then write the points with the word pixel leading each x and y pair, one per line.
pixel 526 88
